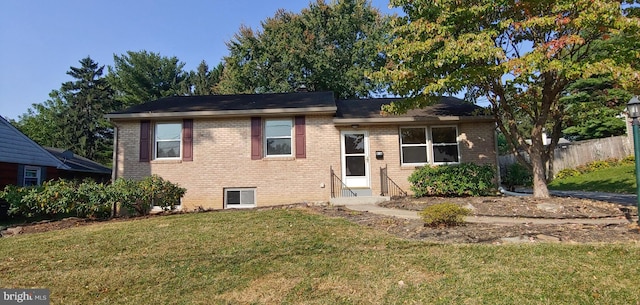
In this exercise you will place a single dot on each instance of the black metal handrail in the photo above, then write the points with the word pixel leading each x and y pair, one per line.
pixel 338 188
pixel 388 187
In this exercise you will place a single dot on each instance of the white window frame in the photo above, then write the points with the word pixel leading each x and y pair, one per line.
pixel 457 143
pixel 430 145
pixel 290 137
pixel 156 140
pixel 38 171
pixel 426 145
pixel 241 205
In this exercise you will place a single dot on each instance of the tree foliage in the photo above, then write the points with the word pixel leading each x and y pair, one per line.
pixel 73 118
pixel 41 121
pixel 88 99
pixel 203 80
pixel 520 56
pixel 324 47
pixel 140 77
pixel 593 109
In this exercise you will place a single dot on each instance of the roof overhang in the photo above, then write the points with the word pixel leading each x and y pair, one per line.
pixel 331 110
pixel 411 120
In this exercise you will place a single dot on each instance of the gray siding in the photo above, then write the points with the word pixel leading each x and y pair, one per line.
pixel 15 147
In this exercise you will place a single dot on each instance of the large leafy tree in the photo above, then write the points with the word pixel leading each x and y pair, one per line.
pixel 324 47
pixel 74 116
pixel 41 122
pixel 519 56
pixel 139 77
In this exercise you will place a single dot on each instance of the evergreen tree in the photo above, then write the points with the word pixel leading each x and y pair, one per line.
pixel 140 77
pixel 88 99
pixel 203 80
pixel 594 108
pixel 73 118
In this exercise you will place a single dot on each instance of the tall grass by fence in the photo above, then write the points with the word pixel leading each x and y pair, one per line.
pixel 582 152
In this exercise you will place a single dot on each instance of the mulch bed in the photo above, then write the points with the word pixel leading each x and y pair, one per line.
pixel 503 206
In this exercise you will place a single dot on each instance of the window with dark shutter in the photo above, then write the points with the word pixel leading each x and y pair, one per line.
pixel 300 138
pixel 256 138
pixel 145 141
pixel 187 140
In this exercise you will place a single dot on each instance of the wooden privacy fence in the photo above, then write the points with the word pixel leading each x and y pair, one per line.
pixel 581 152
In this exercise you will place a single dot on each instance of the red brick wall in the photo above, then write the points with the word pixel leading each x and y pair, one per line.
pixel 8 174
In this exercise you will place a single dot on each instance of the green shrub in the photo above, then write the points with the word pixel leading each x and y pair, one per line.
pixel 567 172
pixel 129 195
pixel 444 214
pixel 466 179
pixel 13 196
pixel 162 193
pixel 139 196
pixel 91 199
pixel 52 198
pixel 517 175
pixel 628 160
pixel 596 165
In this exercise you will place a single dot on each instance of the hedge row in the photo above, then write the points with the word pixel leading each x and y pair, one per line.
pixel 90 199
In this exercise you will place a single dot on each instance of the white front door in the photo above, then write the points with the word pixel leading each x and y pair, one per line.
pixel 355 159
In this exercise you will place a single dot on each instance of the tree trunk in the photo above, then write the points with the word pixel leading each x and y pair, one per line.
pixel 538 165
pixel 540 189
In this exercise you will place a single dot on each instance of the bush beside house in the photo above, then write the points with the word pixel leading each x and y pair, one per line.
pixel 91 199
pixel 465 179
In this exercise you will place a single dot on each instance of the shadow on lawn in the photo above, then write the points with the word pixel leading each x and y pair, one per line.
pixel 608 185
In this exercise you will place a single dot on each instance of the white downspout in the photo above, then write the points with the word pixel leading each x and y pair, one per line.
pixel 114 169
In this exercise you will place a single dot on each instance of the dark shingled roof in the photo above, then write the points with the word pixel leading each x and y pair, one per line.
pixel 77 163
pixel 370 108
pixel 234 102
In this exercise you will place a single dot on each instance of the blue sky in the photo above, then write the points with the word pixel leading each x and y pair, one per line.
pixel 41 39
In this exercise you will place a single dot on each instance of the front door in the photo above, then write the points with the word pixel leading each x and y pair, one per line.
pixel 355 159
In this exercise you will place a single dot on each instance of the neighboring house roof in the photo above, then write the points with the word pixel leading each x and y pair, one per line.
pixel 232 105
pixel 78 163
pixel 16 147
pixel 368 111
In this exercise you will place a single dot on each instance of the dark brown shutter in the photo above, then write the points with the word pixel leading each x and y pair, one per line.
pixel 301 151
pixel 256 138
pixel 187 140
pixel 145 141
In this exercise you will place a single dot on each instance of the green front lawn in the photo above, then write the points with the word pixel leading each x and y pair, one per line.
pixel 618 179
pixel 294 257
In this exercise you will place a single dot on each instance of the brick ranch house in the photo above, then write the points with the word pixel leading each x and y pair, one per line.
pixel 236 151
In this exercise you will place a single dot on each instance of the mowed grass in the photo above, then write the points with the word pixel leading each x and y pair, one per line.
pixel 295 257
pixel 617 179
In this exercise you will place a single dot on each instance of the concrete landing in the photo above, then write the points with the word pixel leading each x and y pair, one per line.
pixel 359 200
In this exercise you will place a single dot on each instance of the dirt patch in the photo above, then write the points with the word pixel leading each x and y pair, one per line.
pixel 65 223
pixel 525 207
